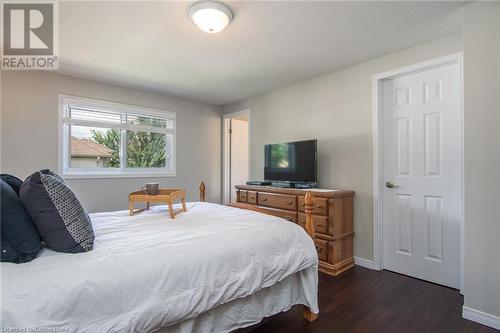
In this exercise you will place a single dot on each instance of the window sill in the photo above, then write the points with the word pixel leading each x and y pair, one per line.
pixel 72 175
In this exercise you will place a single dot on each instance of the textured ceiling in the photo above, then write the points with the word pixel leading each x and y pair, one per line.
pixel 155 46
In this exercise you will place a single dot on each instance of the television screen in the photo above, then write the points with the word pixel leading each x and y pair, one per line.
pixel 292 161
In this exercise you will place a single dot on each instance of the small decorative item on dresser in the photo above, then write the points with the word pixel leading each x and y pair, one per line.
pixel 162 195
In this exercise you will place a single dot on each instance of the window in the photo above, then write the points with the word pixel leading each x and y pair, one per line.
pixel 103 139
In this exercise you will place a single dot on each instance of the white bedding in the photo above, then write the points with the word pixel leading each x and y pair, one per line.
pixel 250 310
pixel 148 271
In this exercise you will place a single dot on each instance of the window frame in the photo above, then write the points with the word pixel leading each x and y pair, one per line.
pixel 64 153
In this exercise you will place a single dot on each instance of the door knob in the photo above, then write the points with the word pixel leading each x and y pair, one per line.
pixel 390 184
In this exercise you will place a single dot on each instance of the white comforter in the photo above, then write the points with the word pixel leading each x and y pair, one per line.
pixel 148 271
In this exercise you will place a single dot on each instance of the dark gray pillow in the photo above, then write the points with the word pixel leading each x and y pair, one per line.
pixel 8 252
pixel 14 182
pixel 56 212
pixel 20 240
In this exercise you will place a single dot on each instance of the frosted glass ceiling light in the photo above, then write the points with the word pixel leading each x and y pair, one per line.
pixel 210 16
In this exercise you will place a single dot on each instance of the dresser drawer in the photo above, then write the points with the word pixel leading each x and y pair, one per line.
pixel 320 223
pixel 277 200
pixel 320 206
pixel 242 196
pixel 322 249
pixel 252 197
pixel 287 215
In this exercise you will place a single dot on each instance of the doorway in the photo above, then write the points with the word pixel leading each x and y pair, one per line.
pixel 418 176
pixel 236 127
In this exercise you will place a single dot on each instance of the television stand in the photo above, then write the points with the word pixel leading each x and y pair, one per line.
pixel 333 211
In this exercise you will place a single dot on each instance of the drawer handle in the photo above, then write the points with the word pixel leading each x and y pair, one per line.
pixel 288 218
pixel 289 201
pixel 318 249
pixel 264 199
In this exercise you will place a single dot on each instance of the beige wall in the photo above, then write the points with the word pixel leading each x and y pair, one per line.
pixel 336 109
pixel 481 34
pixel 29 134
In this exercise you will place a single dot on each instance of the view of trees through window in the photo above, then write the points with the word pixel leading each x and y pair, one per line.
pixel 144 149
pixel 109 138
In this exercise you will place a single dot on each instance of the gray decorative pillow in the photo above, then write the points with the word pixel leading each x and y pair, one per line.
pixel 57 213
pixel 52 173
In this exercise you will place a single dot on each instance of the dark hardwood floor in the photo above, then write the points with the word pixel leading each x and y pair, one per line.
pixel 363 300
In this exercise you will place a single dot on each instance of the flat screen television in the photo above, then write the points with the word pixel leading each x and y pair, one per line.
pixel 291 161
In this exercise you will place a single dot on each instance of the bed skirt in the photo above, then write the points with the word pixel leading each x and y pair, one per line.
pixel 298 288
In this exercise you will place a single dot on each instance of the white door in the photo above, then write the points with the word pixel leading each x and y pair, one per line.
pixel 422 177
pixel 239 154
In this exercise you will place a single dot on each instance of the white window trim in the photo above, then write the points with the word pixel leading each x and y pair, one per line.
pixel 63 146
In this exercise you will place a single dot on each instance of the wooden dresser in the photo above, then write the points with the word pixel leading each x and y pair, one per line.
pixel 333 210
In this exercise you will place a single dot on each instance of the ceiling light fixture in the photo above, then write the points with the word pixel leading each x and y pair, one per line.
pixel 210 16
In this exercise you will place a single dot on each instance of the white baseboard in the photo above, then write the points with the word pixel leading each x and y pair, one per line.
pixel 481 317
pixel 364 262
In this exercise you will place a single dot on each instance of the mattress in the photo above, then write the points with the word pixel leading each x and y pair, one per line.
pixel 148 271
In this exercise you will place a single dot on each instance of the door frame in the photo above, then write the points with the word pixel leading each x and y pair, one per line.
pixel 377 80
pixel 226 152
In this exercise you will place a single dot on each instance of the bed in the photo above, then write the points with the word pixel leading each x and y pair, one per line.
pixel 212 269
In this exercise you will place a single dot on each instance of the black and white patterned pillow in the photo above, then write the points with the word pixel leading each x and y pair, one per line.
pixel 52 173
pixel 57 213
